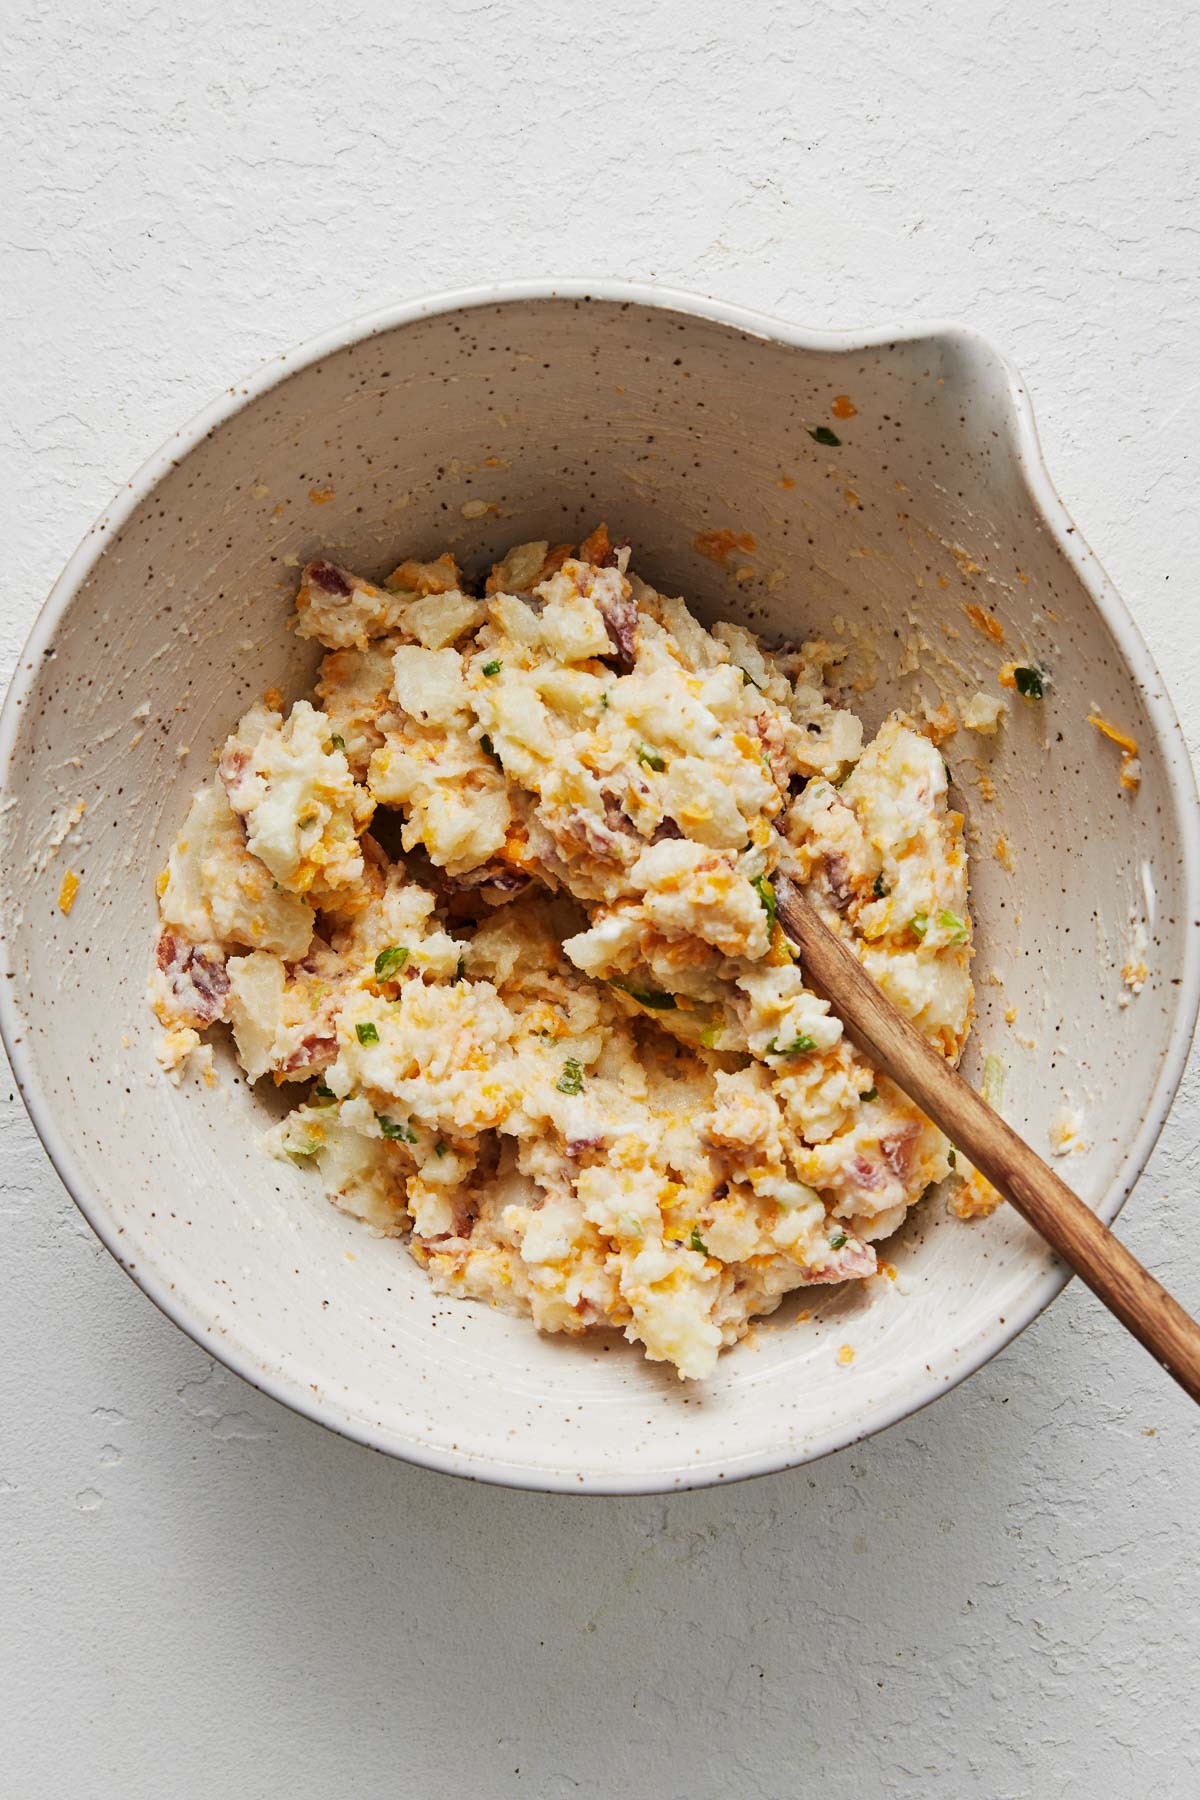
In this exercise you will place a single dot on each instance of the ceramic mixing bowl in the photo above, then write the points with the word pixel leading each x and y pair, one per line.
pixel 884 487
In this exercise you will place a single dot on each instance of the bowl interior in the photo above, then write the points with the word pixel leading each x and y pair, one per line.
pixel 473 429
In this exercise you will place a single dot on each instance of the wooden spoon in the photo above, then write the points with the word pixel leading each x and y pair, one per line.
pixel 1068 1226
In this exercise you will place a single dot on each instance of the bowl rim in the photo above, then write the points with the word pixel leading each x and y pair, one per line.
pixel 955 1365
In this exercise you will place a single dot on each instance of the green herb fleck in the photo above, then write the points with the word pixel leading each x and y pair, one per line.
pixel 403 1134
pixel 766 893
pixel 494 667
pixel 338 741
pixel 460 969
pixel 651 997
pixel 954 927
pixel 324 1094
pixel 748 679
pixel 651 758
pixel 881 889
pixel 571 1079
pixel 919 924
pixel 302 1151
pixel 696 1242
pixel 837 1242
pixel 604 702
pixel 797 1047
pixel 439 1149
pixel 952 1157
pixel 994 1075
pixel 822 435
pixel 391 961
pixel 1030 682
pixel 366 1033
pixel 871 1094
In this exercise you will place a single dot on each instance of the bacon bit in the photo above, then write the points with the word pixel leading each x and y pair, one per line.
pixel 845 1355
pixel 843 407
pixel 1131 769
pixel 939 725
pixel 67 892
pixel 718 545
pixel 274 699
pixel 620 617
pixel 596 548
pixel 319 496
pixel 897 1147
pixel 985 622
pixel 328 578
pixel 837 879
pixel 1003 854
pixel 313 1053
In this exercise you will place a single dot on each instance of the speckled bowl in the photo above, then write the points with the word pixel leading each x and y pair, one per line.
pixel 477 420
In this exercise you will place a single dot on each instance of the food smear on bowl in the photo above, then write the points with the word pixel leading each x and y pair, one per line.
pixel 497 903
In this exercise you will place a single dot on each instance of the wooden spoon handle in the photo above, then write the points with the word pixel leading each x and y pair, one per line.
pixel 1068 1226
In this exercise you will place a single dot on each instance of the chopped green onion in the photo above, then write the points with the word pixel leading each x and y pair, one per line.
pixel 394 1132
pixel 798 1045
pixel 303 1151
pixel 651 758
pixel 461 968
pixel 325 1094
pixel 837 1242
pixel 823 435
pixel 366 1033
pixel 494 667
pixel 766 893
pixel 338 741
pixel 651 997
pixel 439 1149
pixel 604 701
pixel 952 1157
pixel 993 1080
pixel 748 679
pixel 1031 683
pixel 571 1079
pixel 391 961
pixel 871 1094
pixel 696 1242
pixel 919 924
pixel 954 927
pixel 881 889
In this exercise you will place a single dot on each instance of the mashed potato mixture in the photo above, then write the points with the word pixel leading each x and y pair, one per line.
pixel 497 903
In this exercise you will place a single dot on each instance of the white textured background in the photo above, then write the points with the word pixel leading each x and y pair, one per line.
pixel 204 1596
